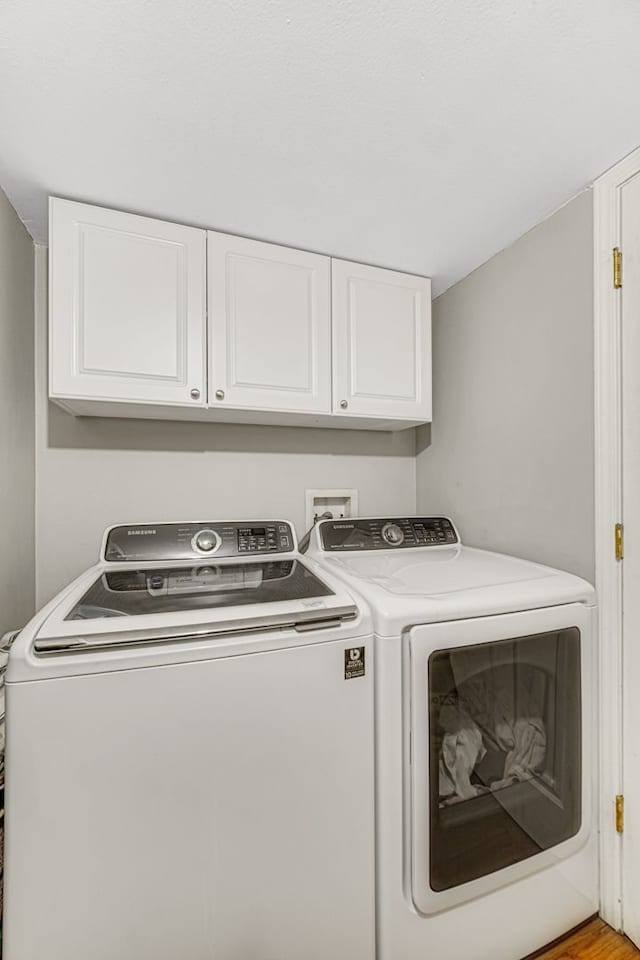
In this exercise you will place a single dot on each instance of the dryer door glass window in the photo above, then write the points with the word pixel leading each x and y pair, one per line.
pixel 504 752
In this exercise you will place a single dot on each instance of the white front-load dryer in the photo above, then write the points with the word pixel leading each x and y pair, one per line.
pixel 486 842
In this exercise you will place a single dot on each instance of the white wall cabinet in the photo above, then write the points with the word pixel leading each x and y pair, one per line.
pixel 154 319
pixel 381 342
pixel 127 307
pixel 270 326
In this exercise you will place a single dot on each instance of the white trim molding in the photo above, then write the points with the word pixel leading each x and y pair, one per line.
pixel 608 512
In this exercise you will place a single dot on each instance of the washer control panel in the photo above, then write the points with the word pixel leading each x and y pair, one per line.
pixel 151 542
pixel 386 534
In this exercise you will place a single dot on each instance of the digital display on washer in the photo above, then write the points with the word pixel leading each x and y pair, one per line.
pixel 130 593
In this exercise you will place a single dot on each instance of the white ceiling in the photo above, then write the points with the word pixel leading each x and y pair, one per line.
pixel 423 135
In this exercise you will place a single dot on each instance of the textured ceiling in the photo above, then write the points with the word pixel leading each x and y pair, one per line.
pixel 423 135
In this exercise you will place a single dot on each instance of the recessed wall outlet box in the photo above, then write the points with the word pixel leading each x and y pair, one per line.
pixel 330 504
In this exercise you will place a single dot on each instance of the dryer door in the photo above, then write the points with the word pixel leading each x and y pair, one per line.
pixel 501 750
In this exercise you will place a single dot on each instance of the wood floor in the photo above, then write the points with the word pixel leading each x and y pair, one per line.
pixel 596 941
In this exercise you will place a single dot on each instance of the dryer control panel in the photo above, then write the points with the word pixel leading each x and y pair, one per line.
pixel 151 542
pixel 386 533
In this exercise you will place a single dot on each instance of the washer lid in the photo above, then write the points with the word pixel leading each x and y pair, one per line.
pixel 140 591
pixel 52 646
pixel 111 607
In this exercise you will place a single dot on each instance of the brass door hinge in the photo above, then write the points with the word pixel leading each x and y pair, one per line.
pixel 617 267
pixel 619 539
pixel 619 813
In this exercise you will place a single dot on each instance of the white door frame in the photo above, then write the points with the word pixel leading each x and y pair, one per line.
pixel 608 512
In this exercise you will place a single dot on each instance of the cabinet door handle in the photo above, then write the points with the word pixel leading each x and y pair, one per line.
pixel 219 394
pixel 344 404
pixel 195 394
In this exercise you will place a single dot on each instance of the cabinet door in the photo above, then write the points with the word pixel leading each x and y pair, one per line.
pixel 269 323
pixel 381 342
pixel 127 307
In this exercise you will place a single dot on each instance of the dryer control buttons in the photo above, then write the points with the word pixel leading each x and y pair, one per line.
pixel 384 533
pixel 392 534
pixel 206 541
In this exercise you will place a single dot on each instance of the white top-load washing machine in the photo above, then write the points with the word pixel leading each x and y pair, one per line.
pixel 485 739
pixel 190 756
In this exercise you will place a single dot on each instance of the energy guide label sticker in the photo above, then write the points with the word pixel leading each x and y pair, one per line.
pixel 353 663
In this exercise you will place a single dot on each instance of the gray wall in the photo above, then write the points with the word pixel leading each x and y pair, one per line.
pixel 94 472
pixel 510 452
pixel 17 551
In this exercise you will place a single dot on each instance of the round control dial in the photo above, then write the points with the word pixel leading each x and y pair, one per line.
pixel 392 534
pixel 206 541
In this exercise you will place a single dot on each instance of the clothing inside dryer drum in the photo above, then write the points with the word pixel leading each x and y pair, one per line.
pixel 505 753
